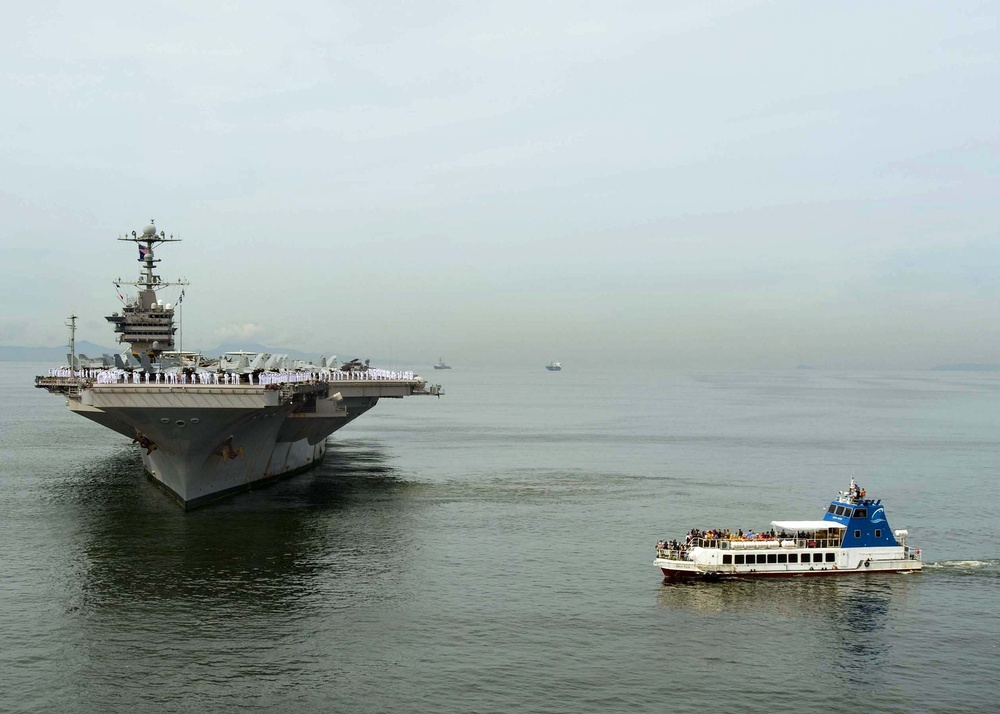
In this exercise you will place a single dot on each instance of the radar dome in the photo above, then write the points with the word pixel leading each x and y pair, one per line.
pixel 149 230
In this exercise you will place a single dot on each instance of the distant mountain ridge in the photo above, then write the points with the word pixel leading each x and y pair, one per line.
pixel 51 354
pixel 257 347
pixel 58 354
pixel 967 368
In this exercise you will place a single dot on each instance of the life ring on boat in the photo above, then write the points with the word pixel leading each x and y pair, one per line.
pixel 917 551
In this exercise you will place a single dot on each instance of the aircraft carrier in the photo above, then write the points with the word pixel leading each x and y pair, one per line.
pixel 210 428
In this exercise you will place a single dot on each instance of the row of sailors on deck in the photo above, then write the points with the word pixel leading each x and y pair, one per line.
pixel 120 376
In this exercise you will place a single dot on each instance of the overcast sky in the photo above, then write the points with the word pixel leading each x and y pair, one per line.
pixel 691 184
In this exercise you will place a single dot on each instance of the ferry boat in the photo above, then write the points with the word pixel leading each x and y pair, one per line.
pixel 554 366
pixel 852 537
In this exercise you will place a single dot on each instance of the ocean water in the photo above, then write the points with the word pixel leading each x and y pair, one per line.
pixel 492 551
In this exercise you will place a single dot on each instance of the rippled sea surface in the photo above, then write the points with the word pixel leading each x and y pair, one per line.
pixel 492 552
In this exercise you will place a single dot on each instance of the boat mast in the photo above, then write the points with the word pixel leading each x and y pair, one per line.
pixel 72 344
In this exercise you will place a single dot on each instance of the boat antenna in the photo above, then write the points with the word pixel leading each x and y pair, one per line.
pixel 180 319
pixel 72 344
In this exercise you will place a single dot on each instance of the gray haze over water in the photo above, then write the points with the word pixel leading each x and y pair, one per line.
pixel 492 552
pixel 702 185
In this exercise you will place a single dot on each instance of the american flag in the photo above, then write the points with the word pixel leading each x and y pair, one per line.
pixel 143 250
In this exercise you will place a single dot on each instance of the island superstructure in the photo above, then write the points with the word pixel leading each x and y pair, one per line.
pixel 210 428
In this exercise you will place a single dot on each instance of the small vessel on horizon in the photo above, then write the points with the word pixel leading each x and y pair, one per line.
pixel 853 537
pixel 554 366
pixel 441 364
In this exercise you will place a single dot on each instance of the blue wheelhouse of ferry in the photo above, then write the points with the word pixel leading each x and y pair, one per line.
pixel 865 521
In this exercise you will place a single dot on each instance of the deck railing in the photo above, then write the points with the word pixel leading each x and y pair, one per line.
pixel 773 544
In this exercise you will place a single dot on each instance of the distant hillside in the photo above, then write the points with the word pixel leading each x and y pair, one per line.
pixel 58 354
pixel 51 354
pixel 967 368
pixel 256 347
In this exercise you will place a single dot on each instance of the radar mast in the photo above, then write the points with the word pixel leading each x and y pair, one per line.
pixel 147 324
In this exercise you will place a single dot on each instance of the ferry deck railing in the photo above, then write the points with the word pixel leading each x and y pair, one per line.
pixel 683 551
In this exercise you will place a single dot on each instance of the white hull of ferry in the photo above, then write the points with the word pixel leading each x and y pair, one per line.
pixel 709 562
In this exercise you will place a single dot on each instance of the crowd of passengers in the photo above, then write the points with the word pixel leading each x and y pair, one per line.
pixel 717 534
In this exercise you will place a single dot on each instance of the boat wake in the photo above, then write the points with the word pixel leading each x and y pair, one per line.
pixel 987 568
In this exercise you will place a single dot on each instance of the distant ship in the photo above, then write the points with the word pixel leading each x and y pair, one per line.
pixel 441 364
pixel 553 366
pixel 210 428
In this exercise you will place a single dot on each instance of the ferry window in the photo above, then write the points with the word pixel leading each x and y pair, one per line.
pixel 831 509
pixel 847 512
pixel 727 559
pixel 793 557
pixel 739 559
pixel 772 557
pixel 840 510
pixel 830 557
pixel 751 558
pixel 861 513
pixel 857 534
pixel 782 557
pixel 805 557
pixel 878 532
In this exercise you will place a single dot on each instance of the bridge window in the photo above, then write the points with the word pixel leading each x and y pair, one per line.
pixel 830 557
pixel 840 510
pixel 831 509
pixel 847 512
pixel 861 513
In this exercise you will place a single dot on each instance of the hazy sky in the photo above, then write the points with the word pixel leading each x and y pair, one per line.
pixel 727 184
